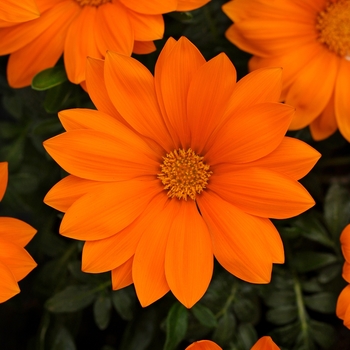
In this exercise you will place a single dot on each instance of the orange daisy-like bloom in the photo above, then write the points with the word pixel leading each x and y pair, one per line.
pixel 81 28
pixel 15 262
pixel 14 11
pixel 343 303
pixel 174 168
pixel 264 343
pixel 310 39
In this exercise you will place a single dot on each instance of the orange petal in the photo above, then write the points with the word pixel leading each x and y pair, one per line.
pixel 96 87
pixel 174 75
pixel 150 7
pixel 143 47
pixel 68 190
pixel 108 253
pixel 238 239
pixel 343 304
pixel 113 29
pixel 16 258
pixel 345 242
pixel 326 124
pixel 311 90
pixel 121 276
pixel 265 343
pixel 80 43
pixel 262 192
pixel 146 27
pixel 189 5
pixel 109 209
pixel 148 269
pixel 204 345
pixel 250 135
pixel 209 92
pixel 346 271
pixel 342 102
pixel 189 255
pixel 44 51
pixel 3 178
pixel 94 155
pixel 13 11
pixel 8 284
pixel 131 88
pixel 16 231
pixel 293 158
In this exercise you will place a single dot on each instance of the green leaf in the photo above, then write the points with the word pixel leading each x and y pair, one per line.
pixel 102 311
pixel 322 333
pixel 330 272
pixel 204 315
pixel 63 340
pixel 71 299
pixel 48 78
pixel 225 329
pixel 176 326
pixel 183 17
pixel 324 302
pixel 282 314
pixel 245 309
pixel 123 303
pixel 337 209
pixel 310 261
pixel 56 97
pixel 246 335
pixel 280 297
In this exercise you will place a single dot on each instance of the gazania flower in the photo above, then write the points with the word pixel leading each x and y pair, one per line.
pixel 173 169
pixel 310 39
pixel 15 262
pixel 264 343
pixel 343 303
pixel 14 11
pixel 82 28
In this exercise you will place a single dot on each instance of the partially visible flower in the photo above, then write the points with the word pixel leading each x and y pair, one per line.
pixel 15 11
pixel 343 303
pixel 311 41
pixel 15 262
pixel 82 28
pixel 173 169
pixel 264 343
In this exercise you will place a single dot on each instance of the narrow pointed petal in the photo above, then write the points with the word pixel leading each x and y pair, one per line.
pixel 204 345
pixel 3 178
pixel 12 11
pixel 174 76
pixel 16 231
pixel 131 88
pixel 94 155
pixel 342 104
pixel 8 285
pixel 238 142
pixel 293 158
pixel 16 258
pixel 96 87
pixel 265 343
pixel 262 192
pixel 346 271
pixel 150 7
pixel 80 43
pixel 113 30
pixel 345 243
pixel 146 27
pixel 342 308
pixel 209 91
pixel 238 240
pixel 122 276
pixel 189 5
pixel 148 269
pixel 106 211
pixel 143 47
pixel 189 255
pixel 108 253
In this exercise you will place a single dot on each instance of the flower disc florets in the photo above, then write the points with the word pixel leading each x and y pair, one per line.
pixel 92 2
pixel 184 174
pixel 333 24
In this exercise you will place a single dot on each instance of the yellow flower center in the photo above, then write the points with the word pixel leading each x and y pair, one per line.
pixel 333 24
pixel 92 2
pixel 184 174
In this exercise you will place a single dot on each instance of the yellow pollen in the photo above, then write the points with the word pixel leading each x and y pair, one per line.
pixel 184 174
pixel 92 2
pixel 333 24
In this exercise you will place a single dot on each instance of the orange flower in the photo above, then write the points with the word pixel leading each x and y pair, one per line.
pixel 264 343
pixel 15 262
pixel 14 11
pixel 343 303
pixel 310 39
pixel 81 28
pixel 174 168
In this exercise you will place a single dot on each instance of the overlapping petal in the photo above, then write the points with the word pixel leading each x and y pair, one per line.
pixel 14 11
pixel 3 178
pixel 204 345
pixel 265 343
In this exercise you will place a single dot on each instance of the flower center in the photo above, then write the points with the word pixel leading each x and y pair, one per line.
pixel 92 2
pixel 184 174
pixel 333 24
